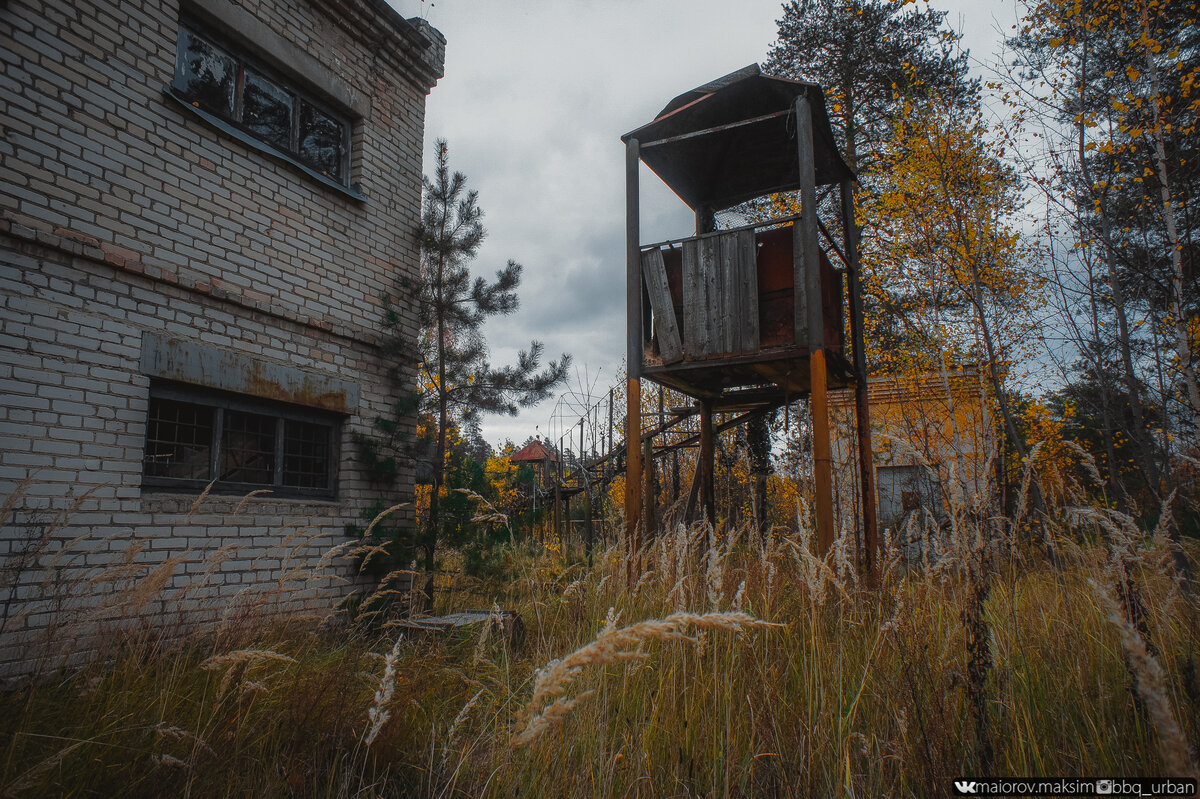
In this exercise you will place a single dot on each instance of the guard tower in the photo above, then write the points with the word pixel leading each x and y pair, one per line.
pixel 750 317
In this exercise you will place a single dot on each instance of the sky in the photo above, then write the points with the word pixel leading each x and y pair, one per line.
pixel 535 97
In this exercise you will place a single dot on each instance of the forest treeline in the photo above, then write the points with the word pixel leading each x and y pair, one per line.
pixel 1036 218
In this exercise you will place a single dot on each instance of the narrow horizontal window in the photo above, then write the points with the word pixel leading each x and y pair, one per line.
pixel 216 78
pixel 248 448
pixel 268 110
pixel 195 438
pixel 306 449
pixel 321 141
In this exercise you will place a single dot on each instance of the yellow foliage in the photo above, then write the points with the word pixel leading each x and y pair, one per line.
pixel 501 474
pixel 943 249
pixel 1055 459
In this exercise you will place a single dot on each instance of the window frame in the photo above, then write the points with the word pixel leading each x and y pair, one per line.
pixel 235 124
pixel 220 402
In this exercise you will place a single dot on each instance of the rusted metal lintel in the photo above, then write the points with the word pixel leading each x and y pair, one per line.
pixel 195 363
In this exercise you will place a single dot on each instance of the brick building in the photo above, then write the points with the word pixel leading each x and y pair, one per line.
pixel 933 443
pixel 202 205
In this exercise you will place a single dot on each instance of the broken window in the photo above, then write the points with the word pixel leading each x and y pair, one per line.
pixel 238 444
pixel 267 110
pixel 178 440
pixel 320 140
pixel 217 79
pixel 204 72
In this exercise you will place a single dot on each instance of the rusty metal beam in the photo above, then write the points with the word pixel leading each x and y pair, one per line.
pixel 862 407
pixel 694 439
pixel 633 354
pixel 833 243
pixel 707 462
pixel 633 472
pixel 649 520
pixel 819 402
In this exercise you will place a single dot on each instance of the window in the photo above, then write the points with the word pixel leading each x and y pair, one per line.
pixel 215 78
pixel 195 437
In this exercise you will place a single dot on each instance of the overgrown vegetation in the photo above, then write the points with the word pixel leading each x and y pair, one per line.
pixel 731 667
pixel 1002 638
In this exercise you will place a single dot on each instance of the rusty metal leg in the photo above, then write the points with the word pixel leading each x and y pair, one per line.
pixel 566 536
pixel 862 405
pixel 689 512
pixel 649 496
pixel 557 508
pixel 706 462
pixel 633 476
pixel 591 526
pixel 822 454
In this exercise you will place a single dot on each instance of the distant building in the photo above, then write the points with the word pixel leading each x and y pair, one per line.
pixel 933 440
pixel 202 204
pixel 535 452
pixel 544 462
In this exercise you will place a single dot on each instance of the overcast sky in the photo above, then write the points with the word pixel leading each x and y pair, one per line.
pixel 536 96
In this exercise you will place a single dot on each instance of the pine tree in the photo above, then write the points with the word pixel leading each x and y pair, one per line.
pixel 869 56
pixel 459 382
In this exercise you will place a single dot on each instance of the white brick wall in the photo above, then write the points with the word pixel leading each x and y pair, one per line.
pixel 122 213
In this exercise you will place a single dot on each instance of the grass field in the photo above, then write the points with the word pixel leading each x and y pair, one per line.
pixel 731 667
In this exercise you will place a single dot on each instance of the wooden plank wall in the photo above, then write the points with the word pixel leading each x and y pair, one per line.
pixel 720 295
pixel 695 302
pixel 744 286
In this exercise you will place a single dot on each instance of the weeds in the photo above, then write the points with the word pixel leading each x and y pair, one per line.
pixel 735 665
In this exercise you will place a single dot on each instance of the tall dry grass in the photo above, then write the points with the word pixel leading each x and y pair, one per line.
pixel 733 666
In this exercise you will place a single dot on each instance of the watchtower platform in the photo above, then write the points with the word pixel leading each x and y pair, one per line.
pixel 752 317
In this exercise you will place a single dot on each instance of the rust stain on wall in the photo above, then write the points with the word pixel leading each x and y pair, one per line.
pixel 198 364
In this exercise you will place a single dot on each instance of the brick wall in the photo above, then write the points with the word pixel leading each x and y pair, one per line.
pixel 123 213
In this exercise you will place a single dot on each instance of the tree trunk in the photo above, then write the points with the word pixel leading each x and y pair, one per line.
pixel 1118 299
pixel 435 497
pixel 994 374
pixel 1183 346
pixel 439 457
pixel 1110 451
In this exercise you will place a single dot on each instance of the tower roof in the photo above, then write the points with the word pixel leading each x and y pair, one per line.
pixel 533 451
pixel 734 139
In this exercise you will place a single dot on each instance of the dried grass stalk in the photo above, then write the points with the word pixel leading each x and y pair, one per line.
pixel 547 708
pixel 1151 686
pixel 237 663
pixel 377 713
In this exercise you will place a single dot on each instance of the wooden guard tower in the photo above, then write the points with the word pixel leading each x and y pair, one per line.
pixel 752 317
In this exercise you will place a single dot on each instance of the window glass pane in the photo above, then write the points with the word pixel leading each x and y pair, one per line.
pixel 267 111
pixel 248 448
pixel 205 74
pixel 321 140
pixel 305 454
pixel 178 440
